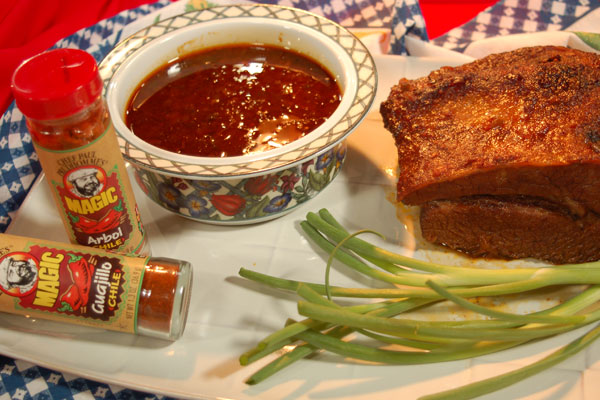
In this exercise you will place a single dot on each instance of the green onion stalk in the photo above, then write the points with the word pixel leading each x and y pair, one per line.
pixel 382 330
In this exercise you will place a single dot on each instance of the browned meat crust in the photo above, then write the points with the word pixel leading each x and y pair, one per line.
pixel 523 123
pixel 536 107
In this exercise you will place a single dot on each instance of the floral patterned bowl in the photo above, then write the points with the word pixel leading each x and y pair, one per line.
pixel 253 187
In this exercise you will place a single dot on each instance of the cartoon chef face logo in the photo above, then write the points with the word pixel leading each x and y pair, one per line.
pixel 18 274
pixel 85 182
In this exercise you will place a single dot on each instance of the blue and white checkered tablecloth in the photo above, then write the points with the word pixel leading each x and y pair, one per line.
pixel 19 166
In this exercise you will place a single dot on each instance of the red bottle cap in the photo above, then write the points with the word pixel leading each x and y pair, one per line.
pixel 56 84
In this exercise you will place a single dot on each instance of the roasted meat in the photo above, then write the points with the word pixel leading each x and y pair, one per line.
pixel 524 124
pixel 511 227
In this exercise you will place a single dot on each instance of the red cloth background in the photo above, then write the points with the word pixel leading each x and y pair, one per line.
pixel 442 15
pixel 28 27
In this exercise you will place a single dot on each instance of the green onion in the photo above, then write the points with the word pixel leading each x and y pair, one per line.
pixel 497 314
pixel 416 328
pixel 367 353
pixel 489 385
pixel 382 328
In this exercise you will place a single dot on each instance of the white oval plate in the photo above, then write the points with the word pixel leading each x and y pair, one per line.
pixel 228 315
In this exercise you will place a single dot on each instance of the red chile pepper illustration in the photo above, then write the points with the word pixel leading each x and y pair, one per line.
pixel 260 185
pixel 81 273
pixel 228 204
pixel 70 300
pixel 112 219
pixel 83 223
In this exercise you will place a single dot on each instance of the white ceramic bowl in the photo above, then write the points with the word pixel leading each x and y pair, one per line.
pixel 254 187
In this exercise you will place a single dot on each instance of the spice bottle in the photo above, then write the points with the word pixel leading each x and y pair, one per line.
pixel 88 286
pixel 60 94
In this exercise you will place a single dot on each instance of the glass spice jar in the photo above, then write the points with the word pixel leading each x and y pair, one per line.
pixel 60 94
pixel 82 285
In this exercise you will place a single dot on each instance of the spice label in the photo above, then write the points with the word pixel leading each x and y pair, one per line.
pixel 94 204
pixel 48 280
pixel 91 187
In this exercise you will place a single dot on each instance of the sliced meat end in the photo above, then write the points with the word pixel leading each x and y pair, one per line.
pixel 511 228
pixel 575 186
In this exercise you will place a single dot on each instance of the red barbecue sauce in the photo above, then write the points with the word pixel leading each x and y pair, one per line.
pixel 232 100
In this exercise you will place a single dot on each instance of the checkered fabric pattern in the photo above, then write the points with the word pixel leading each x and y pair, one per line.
pixel 19 165
pixel 407 20
pixel 21 380
pixel 517 16
pixel 349 13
